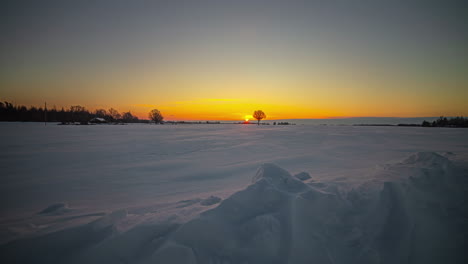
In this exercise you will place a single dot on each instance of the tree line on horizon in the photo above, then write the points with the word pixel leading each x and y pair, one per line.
pixel 76 113
pixel 447 122
pixel 79 114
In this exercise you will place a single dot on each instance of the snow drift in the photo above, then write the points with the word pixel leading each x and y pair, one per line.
pixel 414 211
pixel 56 208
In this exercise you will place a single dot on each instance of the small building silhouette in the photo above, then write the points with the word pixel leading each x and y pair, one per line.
pixel 98 120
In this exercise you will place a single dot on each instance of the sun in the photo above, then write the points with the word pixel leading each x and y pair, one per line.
pixel 247 117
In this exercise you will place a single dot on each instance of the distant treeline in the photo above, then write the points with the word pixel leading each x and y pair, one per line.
pixel 440 122
pixel 447 122
pixel 76 113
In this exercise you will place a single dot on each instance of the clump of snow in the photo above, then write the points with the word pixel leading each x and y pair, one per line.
pixel 55 209
pixel 427 159
pixel 268 222
pixel 278 178
pixel 210 200
pixel 303 176
pixel 278 219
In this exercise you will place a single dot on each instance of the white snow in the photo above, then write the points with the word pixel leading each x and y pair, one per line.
pixel 226 194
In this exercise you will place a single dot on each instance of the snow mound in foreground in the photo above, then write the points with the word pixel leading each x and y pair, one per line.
pixel 280 219
pixel 427 159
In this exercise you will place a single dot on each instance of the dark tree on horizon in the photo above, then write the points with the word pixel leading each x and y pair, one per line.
pixel 79 114
pixel 114 114
pixel 259 115
pixel 101 113
pixel 155 116
pixel 127 117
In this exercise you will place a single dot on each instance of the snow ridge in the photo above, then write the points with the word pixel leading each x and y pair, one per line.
pixel 420 217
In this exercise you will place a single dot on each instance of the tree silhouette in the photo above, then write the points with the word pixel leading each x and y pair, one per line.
pixel 115 115
pixel 102 113
pixel 447 122
pixel 76 113
pixel 155 116
pixel 259 115
pixel 127 117
pixel 79 114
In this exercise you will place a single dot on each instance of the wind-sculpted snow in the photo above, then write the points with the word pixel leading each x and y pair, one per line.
pixel 57 208
pixel 303 176
pixel 414 211
pixel 210 200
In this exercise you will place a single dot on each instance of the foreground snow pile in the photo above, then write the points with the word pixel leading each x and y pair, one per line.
pixel 412 212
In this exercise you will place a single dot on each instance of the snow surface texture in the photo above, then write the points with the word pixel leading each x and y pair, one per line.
pixel 280 219
pixel 57 208
pixel 303 176
pixel 185 194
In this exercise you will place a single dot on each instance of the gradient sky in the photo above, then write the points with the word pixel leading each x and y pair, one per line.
pixel 224 59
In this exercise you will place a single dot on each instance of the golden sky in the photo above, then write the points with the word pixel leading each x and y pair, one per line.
pixel 219 60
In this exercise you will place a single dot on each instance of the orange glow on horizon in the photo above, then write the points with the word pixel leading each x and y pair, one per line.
pixel 241 109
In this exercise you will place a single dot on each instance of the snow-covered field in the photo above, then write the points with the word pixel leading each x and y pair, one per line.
pixel 229 194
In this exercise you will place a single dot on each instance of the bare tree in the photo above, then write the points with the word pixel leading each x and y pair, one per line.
pixel 79 113
pixel 155 116
pixel 77 108
pixel 102 113
pixel 115 115
pixel 259 115
pixel 127 117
